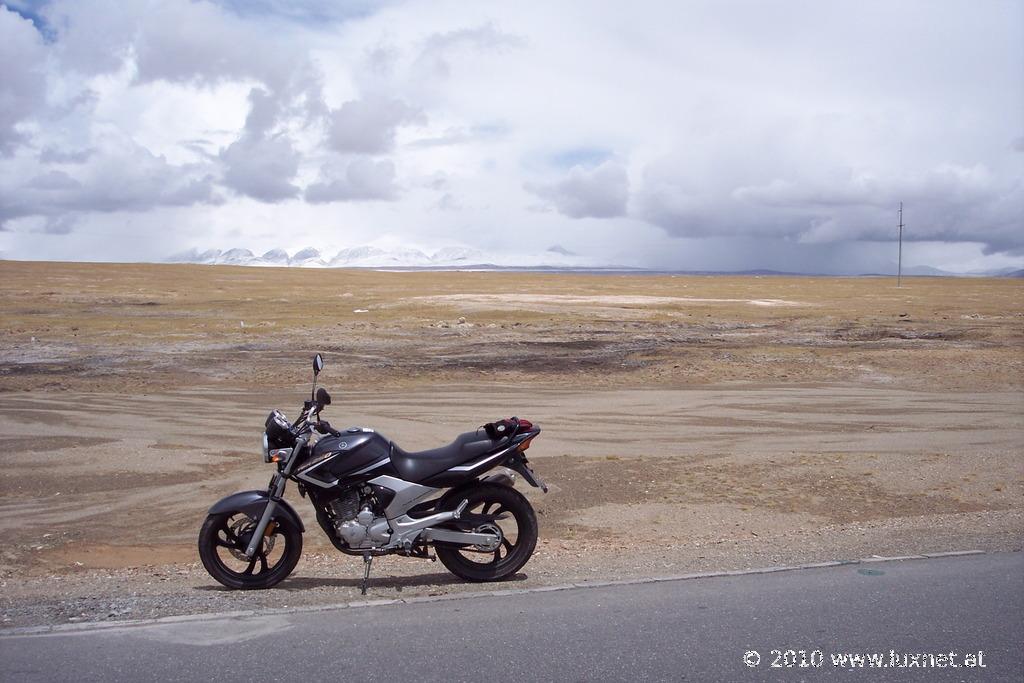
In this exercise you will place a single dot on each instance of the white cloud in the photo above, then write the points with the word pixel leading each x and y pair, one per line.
pixel 368 126
pixel 600 192
pixel 261 167
pixel 363 179
pixel 23 86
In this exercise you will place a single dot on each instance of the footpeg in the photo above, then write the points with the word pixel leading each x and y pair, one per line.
pixel 458 510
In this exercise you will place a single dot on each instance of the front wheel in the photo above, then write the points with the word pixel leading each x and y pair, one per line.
pixel 222 543
pixel 518 531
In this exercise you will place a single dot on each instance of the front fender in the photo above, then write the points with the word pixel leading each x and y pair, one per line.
pixel 253 503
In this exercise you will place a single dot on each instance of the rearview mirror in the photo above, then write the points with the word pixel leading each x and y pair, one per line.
pixel 318 364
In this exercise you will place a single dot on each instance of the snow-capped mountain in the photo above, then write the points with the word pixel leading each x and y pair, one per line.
pixel 208 257
pixel 236 257
pixel 376 257
pixel 373 257
pixel 274 257
pixel 454 256
pixel 309 257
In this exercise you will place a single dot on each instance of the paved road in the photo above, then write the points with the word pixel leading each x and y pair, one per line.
pixel 695 630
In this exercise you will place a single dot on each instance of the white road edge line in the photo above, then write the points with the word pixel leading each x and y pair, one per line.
pixel 90 626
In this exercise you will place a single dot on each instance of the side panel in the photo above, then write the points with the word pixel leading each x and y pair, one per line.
pixel 252 503
pixel 455 476
pixel 407 494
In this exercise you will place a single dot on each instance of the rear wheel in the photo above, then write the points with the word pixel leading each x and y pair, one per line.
pixel 518 532
pixel 222 543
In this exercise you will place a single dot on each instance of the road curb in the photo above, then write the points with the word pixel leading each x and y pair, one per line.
pixel 90 626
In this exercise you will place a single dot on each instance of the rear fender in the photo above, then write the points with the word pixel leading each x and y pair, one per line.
pixel 252 503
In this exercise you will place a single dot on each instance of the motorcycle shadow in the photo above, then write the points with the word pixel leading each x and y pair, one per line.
pixel 301 583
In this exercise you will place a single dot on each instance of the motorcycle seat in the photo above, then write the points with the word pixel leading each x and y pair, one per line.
pixel 420 465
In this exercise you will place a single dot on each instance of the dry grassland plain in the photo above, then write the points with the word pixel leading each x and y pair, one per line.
pixel 690 423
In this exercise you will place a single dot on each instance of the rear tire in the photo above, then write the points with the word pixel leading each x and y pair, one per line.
pixel 222 542
pixel 512 554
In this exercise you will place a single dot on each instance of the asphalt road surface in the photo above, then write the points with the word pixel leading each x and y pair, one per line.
pixel 916 617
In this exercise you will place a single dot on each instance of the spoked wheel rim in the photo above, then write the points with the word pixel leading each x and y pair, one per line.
pixel 232 536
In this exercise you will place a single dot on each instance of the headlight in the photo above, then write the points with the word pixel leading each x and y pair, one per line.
pixel 266 448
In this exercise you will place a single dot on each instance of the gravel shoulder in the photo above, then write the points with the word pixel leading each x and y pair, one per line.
pixel 679 481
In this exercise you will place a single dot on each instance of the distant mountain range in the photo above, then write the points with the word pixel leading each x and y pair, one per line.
pixel 555 257
pixel 375 257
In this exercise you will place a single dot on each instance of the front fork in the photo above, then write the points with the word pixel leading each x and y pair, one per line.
pixel 276 491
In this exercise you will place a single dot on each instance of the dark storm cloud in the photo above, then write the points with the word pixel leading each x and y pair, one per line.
pixel 948 203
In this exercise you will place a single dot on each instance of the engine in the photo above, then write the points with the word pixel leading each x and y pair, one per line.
pixel 356 522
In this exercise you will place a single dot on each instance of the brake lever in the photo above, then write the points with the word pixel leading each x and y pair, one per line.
pixel 324 427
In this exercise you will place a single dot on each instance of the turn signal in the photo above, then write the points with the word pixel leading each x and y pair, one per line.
pixel 524 445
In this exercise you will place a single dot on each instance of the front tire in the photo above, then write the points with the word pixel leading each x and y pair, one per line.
pixel 519 533
pixel 222 542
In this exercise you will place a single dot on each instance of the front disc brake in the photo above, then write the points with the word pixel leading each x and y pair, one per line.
pixel 242 530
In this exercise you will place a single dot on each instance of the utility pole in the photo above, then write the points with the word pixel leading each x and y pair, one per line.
pixel 899 261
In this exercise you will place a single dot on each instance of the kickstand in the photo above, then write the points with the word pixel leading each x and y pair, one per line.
pixel 367 561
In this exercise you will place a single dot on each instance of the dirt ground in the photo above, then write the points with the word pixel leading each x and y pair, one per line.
pixel 690 423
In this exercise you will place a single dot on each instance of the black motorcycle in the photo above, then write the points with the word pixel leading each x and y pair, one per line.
pixel 373 498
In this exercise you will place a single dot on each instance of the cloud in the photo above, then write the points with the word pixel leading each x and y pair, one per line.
pixel 54 180
pixel 52 155
pixel 123 177
pixel 461 135
pixel 948 202
pixel 738 136
pixel 600 192
pixel 60 225
pixel 439 48
pixel 261 167
pixel 363 179
pixel 367 126
pixel 23 85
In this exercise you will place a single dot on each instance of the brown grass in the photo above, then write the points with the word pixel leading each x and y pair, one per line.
pixel 87 326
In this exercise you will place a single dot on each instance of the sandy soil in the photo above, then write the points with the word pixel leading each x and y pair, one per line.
pixel 689 423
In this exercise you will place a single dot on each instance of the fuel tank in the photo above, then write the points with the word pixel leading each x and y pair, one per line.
pixel 335 457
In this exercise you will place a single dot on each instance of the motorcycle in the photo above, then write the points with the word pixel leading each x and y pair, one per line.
pixel 372 498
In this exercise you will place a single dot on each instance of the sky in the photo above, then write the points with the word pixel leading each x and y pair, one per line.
pixel 712 135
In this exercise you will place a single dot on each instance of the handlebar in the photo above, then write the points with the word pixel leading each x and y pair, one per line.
pixel 311 408
pixel 324 427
